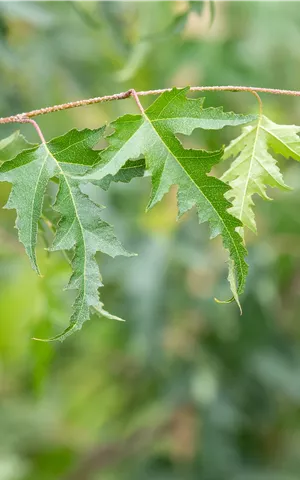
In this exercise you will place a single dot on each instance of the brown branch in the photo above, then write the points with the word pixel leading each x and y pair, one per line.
pixel 135 95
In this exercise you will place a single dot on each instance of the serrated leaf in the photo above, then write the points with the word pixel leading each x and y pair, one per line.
pixel 254 168
pixel 153 135
pixel 29 172
pixel 80 227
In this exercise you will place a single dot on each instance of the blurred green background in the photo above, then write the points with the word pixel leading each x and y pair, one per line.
pixel 186 388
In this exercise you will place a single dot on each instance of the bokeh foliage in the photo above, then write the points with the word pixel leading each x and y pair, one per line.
pixel 186 388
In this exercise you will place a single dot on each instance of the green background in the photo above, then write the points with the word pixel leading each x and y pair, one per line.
pixel 186 388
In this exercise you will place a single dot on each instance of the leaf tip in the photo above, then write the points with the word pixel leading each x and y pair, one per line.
pixel 230 300
pixel 40 339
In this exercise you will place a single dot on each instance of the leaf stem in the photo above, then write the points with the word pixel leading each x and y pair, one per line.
pixel 135 95
pixel 259 102
pixel 24 119
pixel 132 93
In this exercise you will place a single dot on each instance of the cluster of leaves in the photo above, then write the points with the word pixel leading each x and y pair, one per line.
pixel 142 145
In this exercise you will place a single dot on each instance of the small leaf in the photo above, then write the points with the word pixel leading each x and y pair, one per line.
pixel 254 168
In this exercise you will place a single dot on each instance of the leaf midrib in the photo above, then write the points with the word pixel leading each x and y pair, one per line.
pixel 80 226
pixel 32 211
pixel 250 166
pixel 222 221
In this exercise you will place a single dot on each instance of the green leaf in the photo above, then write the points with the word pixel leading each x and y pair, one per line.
pixel 152 135
pixel 80 226
pixel 181 115
pixel 12 145
pixel 254 168
pixel 29 172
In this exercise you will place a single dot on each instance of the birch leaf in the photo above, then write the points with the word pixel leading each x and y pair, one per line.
pixel 80 227
pixel 153 136
pixel 254 167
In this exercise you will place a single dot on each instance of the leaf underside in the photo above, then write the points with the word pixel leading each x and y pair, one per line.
pixel 254 168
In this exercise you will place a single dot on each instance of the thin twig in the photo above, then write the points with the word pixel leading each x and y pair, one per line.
pixel 135 95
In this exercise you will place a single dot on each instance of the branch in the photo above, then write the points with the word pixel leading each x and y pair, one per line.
pixel 135 95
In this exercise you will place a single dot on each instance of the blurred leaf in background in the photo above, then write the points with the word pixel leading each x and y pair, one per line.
pixel 186 388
